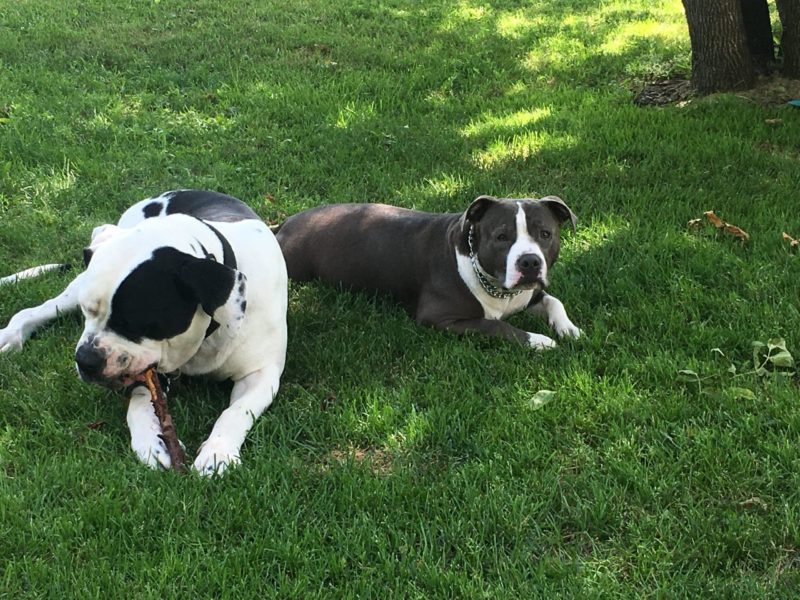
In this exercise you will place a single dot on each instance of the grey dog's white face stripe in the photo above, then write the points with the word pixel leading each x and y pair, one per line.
pixel 524 244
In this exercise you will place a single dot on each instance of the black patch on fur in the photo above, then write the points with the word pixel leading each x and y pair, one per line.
pixel 152 210
pixel 159 298
pixel 209 206
pixel 212 327
pixel 87 256
pixel 228 255
pixel 536 298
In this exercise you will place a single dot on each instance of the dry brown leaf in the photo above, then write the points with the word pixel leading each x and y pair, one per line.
pixel 714 219
pixel 793 243
pixel 737 231
pixel 773 121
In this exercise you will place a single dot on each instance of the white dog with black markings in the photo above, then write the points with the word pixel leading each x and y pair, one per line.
pixel 188 281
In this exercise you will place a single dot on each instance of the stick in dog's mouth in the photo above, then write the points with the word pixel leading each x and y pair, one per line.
pixel 168 433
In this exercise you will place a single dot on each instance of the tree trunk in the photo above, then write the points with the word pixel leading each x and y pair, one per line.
pixel 720 59
pixel 789 11
pixel 758 33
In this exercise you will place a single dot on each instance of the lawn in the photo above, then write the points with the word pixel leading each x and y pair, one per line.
pixel 396 461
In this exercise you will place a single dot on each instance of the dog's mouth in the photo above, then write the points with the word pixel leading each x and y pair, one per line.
pixel 524 285
pixel 118 382
pixel 129 379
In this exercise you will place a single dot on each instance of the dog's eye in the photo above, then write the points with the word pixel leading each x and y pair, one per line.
pixel 502 237
pixel 545 234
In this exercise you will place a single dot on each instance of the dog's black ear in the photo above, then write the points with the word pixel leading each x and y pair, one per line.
pixel 478 207
pixel 476 210
pixel 87 256
pixel 208 281
pixel 560 209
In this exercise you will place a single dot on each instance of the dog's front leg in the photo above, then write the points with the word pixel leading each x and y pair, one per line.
pixel 553 310
pixel 26 321
pixel 494 328
pixel 146 430
pixel 250 397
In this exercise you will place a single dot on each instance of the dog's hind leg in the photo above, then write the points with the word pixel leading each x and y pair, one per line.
pixel 250 397
pixel 26 321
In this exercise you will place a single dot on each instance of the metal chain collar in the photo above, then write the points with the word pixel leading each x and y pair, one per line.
pixel 488 286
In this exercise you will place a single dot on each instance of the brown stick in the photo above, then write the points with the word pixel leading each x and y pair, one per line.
pixel 168 433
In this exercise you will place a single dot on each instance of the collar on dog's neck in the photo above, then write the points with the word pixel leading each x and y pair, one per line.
pixel 228 259
pixel 483 276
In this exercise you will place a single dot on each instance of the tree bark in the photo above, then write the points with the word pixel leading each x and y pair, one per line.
pixel 720 59
pixel 758 33
pixel 789 11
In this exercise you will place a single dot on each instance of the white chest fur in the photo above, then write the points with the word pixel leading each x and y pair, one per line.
pixel 493 308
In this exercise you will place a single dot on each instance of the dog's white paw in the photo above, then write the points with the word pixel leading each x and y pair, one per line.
pixel 566 328
pixel 11 339
pixel 151 449
pixel 215 456
pixel 540 342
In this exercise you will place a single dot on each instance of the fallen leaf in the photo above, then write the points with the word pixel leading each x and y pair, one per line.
pixel 96 425
pixel 714 219
pixel 688 375
pixel 754 502
pixel 793 243
pixel 773 121
pixel 740 393
pixel 737 231
pixel 269 197
pixel 541 398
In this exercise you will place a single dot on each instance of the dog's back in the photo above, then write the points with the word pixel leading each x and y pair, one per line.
pixel 202 204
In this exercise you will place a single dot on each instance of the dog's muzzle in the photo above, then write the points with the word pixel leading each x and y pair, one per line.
pixel 529 267
pixel 91 362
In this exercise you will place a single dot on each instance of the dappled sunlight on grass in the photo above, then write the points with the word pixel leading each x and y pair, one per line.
pixel 134 112
pixel 464 13
pixel 445 185
pixel 46 186
pixel 651 31
pixel 493 124
pixel 592 233
pixel 520 148
pixel 354 113
pixel 516 24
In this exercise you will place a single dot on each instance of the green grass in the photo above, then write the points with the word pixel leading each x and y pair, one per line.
pixel 400 462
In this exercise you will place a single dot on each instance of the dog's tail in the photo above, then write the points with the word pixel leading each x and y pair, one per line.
pixel 34 272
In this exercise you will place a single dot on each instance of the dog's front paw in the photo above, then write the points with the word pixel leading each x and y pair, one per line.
pixel 11 339
pixel 566 328
pixel 540 342
pixel 215 455
pixel 151 449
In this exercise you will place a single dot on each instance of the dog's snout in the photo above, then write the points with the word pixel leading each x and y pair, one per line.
pixel 90 360
pixel 529 263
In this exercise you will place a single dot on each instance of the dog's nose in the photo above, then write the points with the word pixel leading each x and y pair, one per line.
pixel 90 360
pixel 529 263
